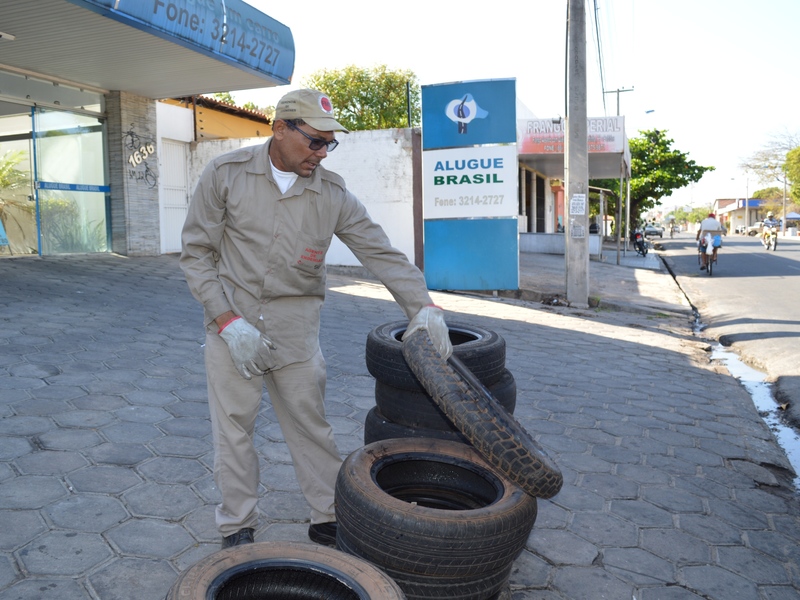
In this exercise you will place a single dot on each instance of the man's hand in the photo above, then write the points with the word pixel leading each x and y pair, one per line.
pixel 431 318
pixel 250 349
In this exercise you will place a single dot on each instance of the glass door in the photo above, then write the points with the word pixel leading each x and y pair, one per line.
pixel 17 205
pixel 71 194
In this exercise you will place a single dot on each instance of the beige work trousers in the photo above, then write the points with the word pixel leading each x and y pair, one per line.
pixel 297 393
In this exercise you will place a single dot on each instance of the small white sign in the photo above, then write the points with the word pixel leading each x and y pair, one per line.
pixel 577 205
pixel 577 231
pixel 470 182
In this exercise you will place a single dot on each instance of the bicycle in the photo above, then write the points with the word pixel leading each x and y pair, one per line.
pixel 702 245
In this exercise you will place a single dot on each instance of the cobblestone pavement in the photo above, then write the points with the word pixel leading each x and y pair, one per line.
pixel 674 487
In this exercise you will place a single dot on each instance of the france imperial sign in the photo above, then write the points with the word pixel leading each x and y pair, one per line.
pixel 469 164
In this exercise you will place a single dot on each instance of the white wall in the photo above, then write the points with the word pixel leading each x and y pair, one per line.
pixel 377 168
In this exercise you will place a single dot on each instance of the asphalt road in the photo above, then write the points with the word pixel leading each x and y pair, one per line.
pixel 751 302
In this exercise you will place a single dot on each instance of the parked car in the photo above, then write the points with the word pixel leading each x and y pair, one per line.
pixel 653 230
pixel 755 228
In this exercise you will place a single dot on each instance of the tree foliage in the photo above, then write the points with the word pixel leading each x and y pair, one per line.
pixel 792 170
pixel 657 170
pixel 770 193
pixel 370 98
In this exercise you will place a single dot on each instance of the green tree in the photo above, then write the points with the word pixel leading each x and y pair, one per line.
pixel 770 193
pixel 372 98
pixel 771 163
pixel 657 170
pixel 792 170
pixel 224 97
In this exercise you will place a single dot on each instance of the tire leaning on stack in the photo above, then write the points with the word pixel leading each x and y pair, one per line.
pixel 403 406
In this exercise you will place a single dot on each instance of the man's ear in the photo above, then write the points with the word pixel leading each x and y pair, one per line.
pixel 279 129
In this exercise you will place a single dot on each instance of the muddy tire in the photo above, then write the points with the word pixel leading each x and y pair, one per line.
pixel 494 433
pixel 418 409
pixel 483 351
pixel 432 510
pixel 283 571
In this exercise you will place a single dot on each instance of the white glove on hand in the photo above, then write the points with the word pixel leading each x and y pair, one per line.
pixel 431 318
pixel 249 348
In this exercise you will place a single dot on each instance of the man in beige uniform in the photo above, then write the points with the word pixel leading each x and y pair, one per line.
pixel 254 243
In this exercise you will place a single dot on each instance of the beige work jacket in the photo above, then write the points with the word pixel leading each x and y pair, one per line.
pixel 260 253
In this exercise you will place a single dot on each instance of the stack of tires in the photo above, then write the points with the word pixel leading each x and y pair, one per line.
pixel 403 408
pixel 443 495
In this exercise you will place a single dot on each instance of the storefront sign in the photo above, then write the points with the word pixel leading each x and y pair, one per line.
pixel 470 182
pixel 227 29
pixel 546 136
pixel 470 172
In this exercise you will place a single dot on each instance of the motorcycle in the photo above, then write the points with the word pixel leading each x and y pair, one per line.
pixel 769 238
pixel 639 243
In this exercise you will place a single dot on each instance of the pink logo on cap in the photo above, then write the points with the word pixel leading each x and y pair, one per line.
pixel 325 104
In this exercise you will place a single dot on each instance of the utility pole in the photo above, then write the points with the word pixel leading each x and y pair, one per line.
pixel 576 161
pixel 618 91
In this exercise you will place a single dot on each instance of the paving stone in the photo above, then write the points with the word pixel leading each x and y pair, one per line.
pixel 150 538
pixel 668 593
pixel 187 427
pixel 89 513
pixel 49 462
pixel 45 588
pixel 131 433
pixel 69 439
pixel 638 566
pixel 103 479
pixel 530 571
pixel 24 426
pixel 604 530
pixel 717 583
pixel 174 445
pixel 119 454
pixel 163 501
pixel 752 564
pixel 30 491
pixel 19 527
pixel 678 547
pixel 170 469
pixel 64 553
pixel 641 513
pixel 133 579
pixel 710 529
pixel 562 547
pixel 590 582
pixel 13 447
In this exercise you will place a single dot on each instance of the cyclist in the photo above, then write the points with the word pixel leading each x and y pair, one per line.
pixel 709 228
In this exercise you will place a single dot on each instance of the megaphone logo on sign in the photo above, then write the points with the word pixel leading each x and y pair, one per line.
pixel 464 110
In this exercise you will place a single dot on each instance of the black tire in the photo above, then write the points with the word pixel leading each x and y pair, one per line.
pixel 283 571
pixel 482 350
pixel 430 509
pixel 418 410
pixel 499 438
pixel 377 428
pixel 482 587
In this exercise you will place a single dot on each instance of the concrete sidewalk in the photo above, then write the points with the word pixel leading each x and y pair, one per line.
pixel 674 487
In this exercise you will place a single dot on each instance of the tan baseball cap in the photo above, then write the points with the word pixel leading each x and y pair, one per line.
pixel 315 108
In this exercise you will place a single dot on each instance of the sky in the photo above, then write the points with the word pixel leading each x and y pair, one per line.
pixel 720 76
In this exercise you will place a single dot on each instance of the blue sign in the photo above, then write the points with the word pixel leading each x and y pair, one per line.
pixel 72 187
pixel 3 236
pixel 472 113
pixel 228 30
pixel 472 254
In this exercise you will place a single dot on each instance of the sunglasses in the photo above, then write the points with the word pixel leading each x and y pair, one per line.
pixel 314 143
